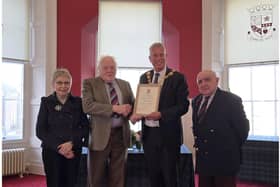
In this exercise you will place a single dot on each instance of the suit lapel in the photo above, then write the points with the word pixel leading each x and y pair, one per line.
pixel 196 105
pixel 152 76
pixel 123 90
pixel 103 91
pixel 165 84
pixel 215 101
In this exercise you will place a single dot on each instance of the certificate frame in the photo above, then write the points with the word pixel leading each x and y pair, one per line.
pixel 147 98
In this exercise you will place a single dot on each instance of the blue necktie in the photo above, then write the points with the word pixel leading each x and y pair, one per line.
pixel 156 78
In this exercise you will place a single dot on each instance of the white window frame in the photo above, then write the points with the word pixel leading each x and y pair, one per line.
pixel 10 138
pixel 275 100
pixel 16 142
pixel 128 62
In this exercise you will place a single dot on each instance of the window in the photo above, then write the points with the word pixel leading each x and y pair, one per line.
pixel 126 30
pixel 12 100
pixel 15 55
pixel 16 29
pixel 132 75
pixel 258 86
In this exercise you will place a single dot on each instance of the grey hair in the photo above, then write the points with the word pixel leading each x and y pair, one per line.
pixel 103 58
pixel 157 45
pixel 61 72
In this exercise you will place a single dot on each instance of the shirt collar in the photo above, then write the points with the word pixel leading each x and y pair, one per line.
pixel 211 96
pixel 162 72
pixel 54 97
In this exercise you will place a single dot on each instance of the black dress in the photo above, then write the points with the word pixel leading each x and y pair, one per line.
pixel 58 123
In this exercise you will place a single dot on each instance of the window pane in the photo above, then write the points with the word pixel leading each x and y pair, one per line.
pixel 15 29
pixel 258 86
pixel 240 82
pixel 248 111
pixel 277 82
pixel 263 79
pixel 12 101
pixel 278 118
pixel 132 75
pixel 127 29
pixel 264 118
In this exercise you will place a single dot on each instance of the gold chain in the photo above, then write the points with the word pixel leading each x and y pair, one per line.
pixel 148 75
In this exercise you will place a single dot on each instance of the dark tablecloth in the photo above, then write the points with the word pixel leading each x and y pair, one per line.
pixel 137 175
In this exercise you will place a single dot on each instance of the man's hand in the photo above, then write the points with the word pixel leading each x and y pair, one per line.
pixel 124 109
pixel 135 117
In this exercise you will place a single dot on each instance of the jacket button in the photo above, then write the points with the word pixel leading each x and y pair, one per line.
pixel 206 153
pixel 212 130
pixel 196 149
pixel 205 141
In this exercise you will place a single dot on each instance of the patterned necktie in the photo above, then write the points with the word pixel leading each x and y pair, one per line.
pixel 113 94
pixel 156 78
pixel 202 110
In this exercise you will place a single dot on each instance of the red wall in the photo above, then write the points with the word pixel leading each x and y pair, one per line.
pixel 75 33
pixel 77 28
pixel 182 35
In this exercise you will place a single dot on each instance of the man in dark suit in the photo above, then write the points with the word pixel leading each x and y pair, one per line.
pixel 220 127
pixel 108 101
pixel 162 130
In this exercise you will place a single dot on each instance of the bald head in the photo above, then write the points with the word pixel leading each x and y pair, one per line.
pixel 207 82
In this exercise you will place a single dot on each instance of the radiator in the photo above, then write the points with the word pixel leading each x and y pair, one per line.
pixel 13 162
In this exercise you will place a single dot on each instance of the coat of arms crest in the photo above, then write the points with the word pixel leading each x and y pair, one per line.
pixel 261 22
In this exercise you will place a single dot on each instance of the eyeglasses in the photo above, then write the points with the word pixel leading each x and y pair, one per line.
pixel 60 83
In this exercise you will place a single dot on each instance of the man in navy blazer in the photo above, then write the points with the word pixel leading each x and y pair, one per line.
pixel 162 130
pixel 219 131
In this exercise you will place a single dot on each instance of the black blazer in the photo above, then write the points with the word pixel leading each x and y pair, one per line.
pixel 173 104
pixel 220 135
pixel 58 123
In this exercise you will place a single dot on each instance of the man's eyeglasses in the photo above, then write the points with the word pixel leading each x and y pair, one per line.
pixel 60 83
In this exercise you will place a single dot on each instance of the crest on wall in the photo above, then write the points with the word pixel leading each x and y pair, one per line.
pixel 261 22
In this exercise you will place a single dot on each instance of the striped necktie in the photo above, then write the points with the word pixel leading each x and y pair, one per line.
pixel 202 110
pixel 113 94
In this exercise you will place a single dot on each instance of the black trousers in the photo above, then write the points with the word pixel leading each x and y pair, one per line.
pixel 60 171
pixel 161 160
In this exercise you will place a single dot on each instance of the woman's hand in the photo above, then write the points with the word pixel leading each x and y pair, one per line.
pixel 66 149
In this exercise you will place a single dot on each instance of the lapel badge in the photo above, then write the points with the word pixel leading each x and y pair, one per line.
pixel 58 107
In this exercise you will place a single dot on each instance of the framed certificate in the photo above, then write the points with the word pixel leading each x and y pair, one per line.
pixel 147 98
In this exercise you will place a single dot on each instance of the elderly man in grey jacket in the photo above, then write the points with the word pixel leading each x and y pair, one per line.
pixel 109 102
